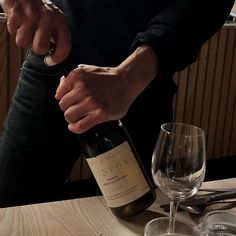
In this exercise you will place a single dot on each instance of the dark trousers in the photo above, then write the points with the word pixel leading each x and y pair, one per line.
pixel 36 151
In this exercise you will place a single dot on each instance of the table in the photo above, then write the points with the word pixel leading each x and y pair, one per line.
pixel 83 217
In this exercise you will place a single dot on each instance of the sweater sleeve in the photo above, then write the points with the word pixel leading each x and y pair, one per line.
pixel 177 33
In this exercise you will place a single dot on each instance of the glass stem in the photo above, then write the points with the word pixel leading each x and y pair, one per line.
pixel 173 210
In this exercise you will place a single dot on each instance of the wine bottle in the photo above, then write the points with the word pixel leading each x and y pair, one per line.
pixel 117 168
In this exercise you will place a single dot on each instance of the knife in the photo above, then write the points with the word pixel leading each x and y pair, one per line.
pixel 209 198
pixel 217 189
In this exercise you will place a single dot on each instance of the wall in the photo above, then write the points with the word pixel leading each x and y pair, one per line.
pixel 207 93
pixel 11 58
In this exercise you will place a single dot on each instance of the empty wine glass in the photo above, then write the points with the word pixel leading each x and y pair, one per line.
pixel 178 170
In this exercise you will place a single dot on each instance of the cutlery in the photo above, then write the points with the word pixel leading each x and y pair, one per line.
pixel 205 200
pixel 198 209
pixel 196 200
pixel 216 189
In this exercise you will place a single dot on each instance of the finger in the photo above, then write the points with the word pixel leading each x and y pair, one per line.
pixel 78 111
pixel 67 83
pixel 69 99
pixel 13 24
pixel 59 87
pixel 85 124
pixel 63 88
pixel 41 42
pixel 63 46
pixel 24 35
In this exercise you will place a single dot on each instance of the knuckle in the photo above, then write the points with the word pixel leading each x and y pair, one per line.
pixel 90 100
pixel 73 76
pixel 40 48
pixel 11 29
pixel 32 16
pixel 101 114
pixel 73 73
pixel 77 127
pixel 67 116
pixel 22 42
pixel 16 11
pixel 62 106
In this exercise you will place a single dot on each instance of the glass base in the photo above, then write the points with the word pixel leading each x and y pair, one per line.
pixel 219 222
pixel 160 227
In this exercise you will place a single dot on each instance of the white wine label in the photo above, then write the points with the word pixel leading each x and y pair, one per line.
pixel 118 175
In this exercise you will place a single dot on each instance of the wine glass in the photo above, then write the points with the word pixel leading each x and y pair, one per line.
pixel 178 170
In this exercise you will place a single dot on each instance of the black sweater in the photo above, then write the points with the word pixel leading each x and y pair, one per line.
pixel 105 32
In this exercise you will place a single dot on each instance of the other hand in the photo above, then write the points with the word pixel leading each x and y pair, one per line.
pixel 37 24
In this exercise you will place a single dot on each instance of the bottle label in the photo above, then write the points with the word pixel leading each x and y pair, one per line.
pixel 118 175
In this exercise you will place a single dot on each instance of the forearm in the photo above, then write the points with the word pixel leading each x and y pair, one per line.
pixel 139 69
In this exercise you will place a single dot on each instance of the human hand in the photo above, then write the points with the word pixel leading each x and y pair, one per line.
pixel 38 23
pixel 90 95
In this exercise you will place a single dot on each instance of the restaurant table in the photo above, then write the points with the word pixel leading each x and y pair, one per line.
pixel 86 217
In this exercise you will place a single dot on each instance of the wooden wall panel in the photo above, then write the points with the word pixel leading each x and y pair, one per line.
pixel 16 56
pixel 229 127
pixel 224 93
pixel 216 89
pixel 207 93
pixel 11 58
pixel 4 102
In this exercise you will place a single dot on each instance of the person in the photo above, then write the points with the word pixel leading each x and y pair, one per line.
pixel 90 62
